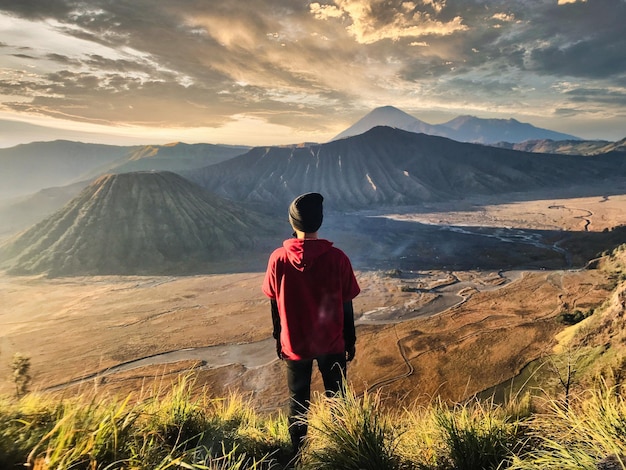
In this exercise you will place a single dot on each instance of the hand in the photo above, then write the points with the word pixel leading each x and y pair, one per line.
pixel 350 352
pixel 279 350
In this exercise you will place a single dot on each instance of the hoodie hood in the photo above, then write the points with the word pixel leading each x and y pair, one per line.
pixel 302 253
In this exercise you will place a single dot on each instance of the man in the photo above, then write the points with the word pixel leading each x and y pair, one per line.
pixel 311 285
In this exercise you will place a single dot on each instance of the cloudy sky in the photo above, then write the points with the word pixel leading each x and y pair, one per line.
pixel 263 72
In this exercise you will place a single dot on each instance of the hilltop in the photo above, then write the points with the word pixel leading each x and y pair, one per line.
pixel 189 419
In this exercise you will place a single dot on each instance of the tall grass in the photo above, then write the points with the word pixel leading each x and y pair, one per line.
pixel 472 435
pixel 177 430
pixel 86 434
pixel 590 433
pixel 187 429
pixel 350 433
pixel 479 435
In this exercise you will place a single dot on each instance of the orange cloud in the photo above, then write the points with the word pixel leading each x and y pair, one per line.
pixel 368 25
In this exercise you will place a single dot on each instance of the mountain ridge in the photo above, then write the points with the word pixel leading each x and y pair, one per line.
pixel 567 147
pixel 387 167
pixel 31 167
pixel 28 168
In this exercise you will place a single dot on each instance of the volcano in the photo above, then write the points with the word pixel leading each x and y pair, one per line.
pixel 388 167
pixel 135 223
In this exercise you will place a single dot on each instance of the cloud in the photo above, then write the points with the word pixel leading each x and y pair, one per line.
pixel 308 66
pixel 602 97
pixel 375 20
pixel 506 17
pixel 324 12
pixel 36 10
pixel 578 39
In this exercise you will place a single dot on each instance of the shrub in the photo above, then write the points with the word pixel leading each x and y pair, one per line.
pixel 588 433
pixel 478 435
pixel 20 365
pixel 22 425
pixel 350 433
pixel 572 318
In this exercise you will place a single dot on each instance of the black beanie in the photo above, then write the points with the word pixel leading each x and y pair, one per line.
pixel 305 212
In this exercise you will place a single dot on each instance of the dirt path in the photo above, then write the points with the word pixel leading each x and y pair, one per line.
pixel 586 214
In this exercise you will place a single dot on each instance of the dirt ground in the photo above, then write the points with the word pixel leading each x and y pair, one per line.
pixel 421 332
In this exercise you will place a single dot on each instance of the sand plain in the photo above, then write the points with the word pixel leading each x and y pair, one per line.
pixel 421 332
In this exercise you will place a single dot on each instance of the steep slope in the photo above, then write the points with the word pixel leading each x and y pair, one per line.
pixel 20 213
pixel 386 167
pixel 134 223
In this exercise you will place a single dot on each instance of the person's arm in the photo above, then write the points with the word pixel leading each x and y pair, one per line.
pixel 349 331
pixel 276 329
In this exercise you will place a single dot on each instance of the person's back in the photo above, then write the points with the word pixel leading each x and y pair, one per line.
pixel 312 280
pixel 311 285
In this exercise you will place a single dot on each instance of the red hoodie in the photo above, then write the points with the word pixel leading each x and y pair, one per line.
pixel 310 280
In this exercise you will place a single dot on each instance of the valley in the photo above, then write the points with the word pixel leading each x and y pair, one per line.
pixel 456 297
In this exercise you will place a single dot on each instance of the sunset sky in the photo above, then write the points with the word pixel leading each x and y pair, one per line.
pixel 261 72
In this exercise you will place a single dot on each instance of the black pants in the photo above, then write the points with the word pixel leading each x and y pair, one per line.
pixel 333 370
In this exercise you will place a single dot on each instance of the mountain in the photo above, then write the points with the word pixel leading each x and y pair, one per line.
pixel 390 117
pixel 135 223
pixel 20 213
pixel 487 131
pixel 31 167
pixel 177 157
pixel 388 167
pixel 461 129
pixel 567 147
pixel 27 168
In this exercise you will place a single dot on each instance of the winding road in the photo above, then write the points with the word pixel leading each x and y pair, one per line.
pixel 585 217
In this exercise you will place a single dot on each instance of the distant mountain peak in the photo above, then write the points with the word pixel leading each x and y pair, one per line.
pixel 390 110
pixel 388 116
pixel 464 128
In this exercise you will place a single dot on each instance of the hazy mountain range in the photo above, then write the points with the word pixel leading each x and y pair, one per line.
pixel 31 167
pixel 28 168
pixel 461 128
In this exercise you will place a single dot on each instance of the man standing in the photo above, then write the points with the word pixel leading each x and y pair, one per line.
pixel 311 285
